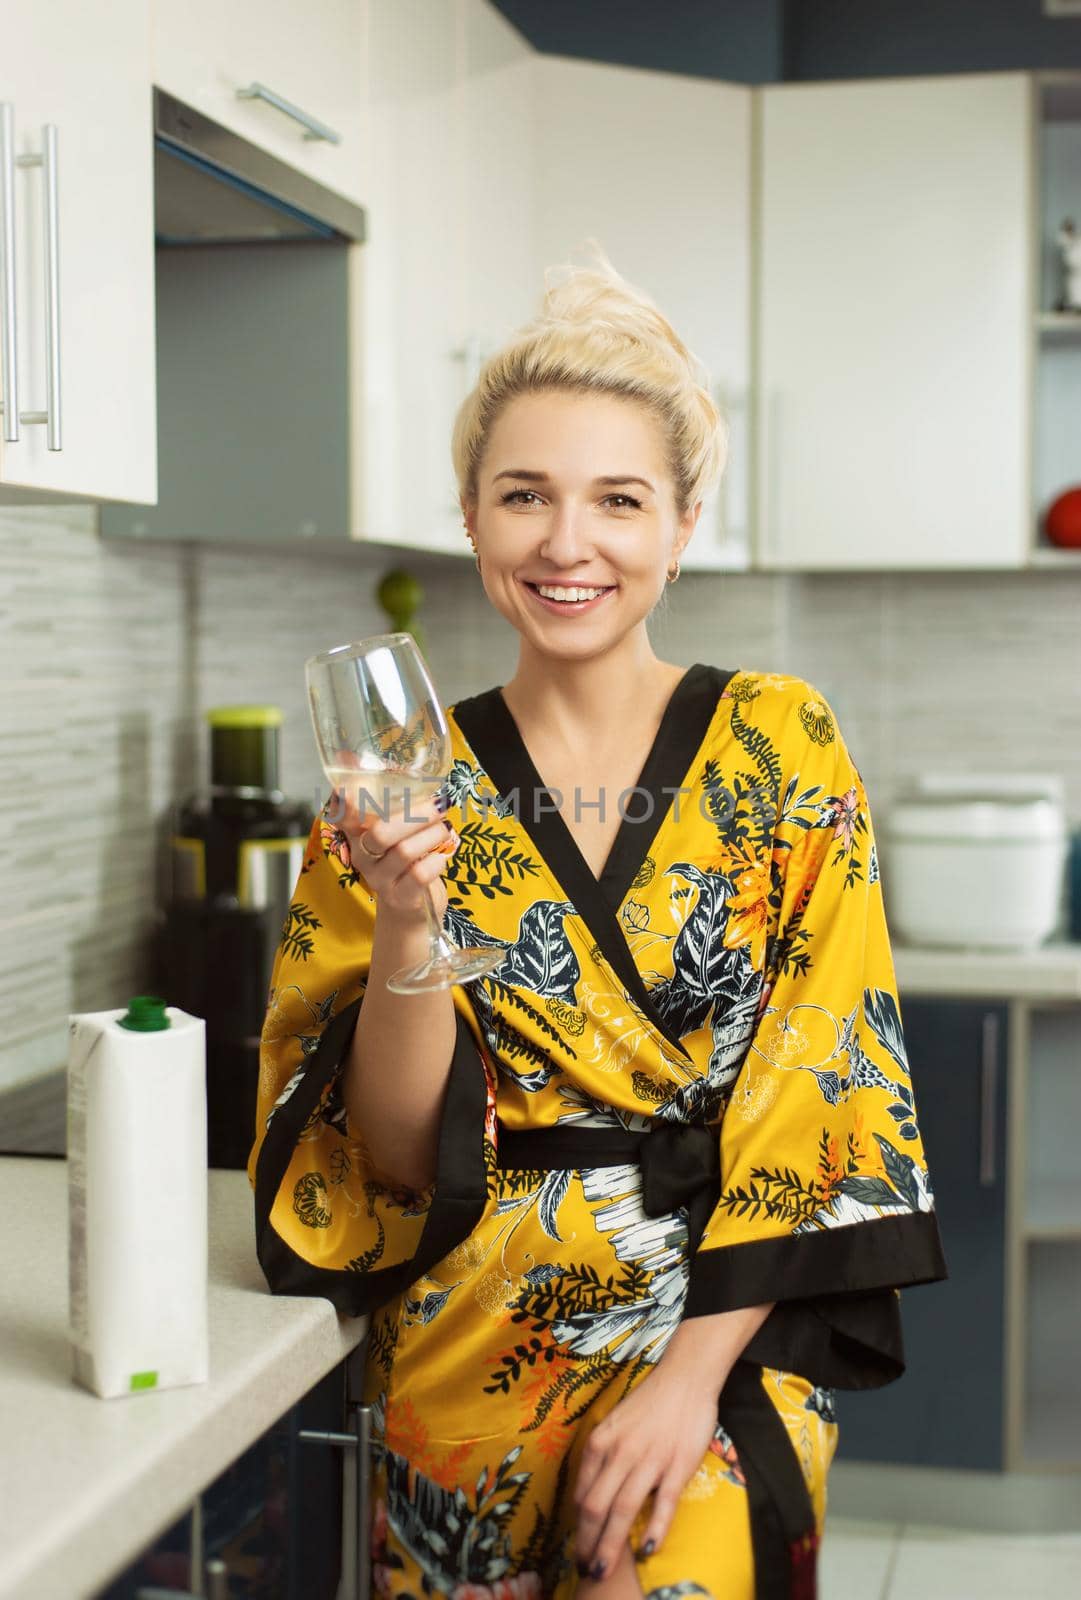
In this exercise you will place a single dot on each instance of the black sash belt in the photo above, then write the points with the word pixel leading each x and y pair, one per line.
pixel 680 1162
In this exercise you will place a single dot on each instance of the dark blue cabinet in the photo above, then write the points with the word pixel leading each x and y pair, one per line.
pixel 947 1409
pixel 274 1516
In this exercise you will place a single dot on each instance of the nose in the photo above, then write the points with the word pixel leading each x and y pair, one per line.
pixel 566 540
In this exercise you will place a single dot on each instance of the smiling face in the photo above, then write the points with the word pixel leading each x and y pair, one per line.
pixel 573 493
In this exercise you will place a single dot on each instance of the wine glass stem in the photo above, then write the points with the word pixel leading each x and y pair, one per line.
pixel 441 948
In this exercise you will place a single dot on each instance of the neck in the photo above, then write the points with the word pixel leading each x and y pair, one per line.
pixel 576 702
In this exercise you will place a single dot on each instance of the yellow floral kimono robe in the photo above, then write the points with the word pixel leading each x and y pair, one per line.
pixel 684 1090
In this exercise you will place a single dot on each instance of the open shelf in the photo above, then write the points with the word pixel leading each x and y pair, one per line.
pixel 1054 1209
pixel 1060 324
pixel 1052 1200
pixel 1056 461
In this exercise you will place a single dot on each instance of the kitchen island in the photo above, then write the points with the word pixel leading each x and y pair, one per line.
pixel 85 1482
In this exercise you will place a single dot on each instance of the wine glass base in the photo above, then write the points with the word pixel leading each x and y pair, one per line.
pixel 443 972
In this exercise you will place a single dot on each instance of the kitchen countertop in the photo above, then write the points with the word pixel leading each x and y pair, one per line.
pixel 86 1483
pixel 1050 972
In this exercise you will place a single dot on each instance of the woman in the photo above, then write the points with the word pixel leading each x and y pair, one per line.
pixel 626 1211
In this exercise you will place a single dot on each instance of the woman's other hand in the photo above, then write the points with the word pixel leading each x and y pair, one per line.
pixel 398 855
pixel 652 1442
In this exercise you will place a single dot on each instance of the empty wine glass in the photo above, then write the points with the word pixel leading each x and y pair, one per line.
pixel 382 732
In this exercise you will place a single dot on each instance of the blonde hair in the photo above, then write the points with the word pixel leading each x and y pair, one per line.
pixel 596 334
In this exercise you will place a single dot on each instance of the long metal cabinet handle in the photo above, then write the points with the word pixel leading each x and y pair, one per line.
pixel 359 1443
pixel 313 128
pixel 9 378
pixel 988 1099
pixel 47 159
pixel 362 1426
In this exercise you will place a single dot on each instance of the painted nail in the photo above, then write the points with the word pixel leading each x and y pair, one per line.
pixel 583 1568
pixel 598 1570
pixel 647 1549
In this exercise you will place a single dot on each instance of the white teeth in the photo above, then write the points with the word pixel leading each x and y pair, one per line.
pixel 551 593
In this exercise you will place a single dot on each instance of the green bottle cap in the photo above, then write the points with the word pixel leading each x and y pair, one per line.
pixel 146 1014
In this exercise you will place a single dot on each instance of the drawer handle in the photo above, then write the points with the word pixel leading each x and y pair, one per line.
pixel 313 128
pixel 9 377
pixel 359 1441
pixel 988 1097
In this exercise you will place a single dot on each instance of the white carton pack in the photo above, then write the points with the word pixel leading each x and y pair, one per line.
pixel 137 1191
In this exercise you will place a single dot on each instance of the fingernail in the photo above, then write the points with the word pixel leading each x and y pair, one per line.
pixel 646 1550
pixel 441 802
pixel 598 1570
pixel 583 1568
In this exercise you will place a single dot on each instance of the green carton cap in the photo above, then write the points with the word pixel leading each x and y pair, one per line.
pixel 146 1014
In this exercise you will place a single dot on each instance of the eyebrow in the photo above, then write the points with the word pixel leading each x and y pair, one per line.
pixel 543 477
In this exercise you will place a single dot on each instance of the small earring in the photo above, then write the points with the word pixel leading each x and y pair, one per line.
pixel 672 576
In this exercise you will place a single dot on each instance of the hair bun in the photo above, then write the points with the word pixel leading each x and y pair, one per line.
pixel 598 333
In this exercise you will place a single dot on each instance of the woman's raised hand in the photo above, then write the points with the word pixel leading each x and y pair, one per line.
pixel 398 854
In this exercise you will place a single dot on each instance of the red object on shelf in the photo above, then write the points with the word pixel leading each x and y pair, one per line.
pixel 1063 520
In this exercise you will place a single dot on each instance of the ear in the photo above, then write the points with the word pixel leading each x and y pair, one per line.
pixel 687 524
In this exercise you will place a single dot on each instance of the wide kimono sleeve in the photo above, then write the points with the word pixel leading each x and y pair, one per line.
pixel 826 1205
pixel 327 1221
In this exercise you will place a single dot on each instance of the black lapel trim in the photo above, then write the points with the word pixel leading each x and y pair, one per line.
pixel 493 736
pixel 837 1319
pixel 461 1186
pixel 684 725
pixel 783 1531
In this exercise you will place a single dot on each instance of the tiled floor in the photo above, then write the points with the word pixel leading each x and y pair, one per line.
pixel 905 1561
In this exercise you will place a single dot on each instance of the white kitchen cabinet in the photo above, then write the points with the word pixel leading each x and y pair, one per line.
pixel 85 74
pixel 447 263
pixel 658 168
pixel 311 57
pixel 412 272
pixel 895 298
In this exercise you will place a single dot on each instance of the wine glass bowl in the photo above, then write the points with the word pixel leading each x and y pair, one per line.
pixel 383 740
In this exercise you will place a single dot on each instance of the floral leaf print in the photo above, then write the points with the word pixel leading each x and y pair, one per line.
pixel 700 960
pixel 900 1171
pixel 485 859
pixel 817 722
pixel 880 1009
pixel 511 997
pixel 760 749
pixel 310 1201
pixel 542 958
pixel 553 1191
pixel 871 1191
pixel 780 1194
pixel 297 929
pixel 427 1309
pixel 465 782
pixel 645 874
pixel 675 1591
pixel 571 1019
pixel 742 689
pixel 645 1088
pixel 543 1273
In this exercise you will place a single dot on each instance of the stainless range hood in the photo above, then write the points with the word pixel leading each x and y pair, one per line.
pixel 259 328
pixel 213 187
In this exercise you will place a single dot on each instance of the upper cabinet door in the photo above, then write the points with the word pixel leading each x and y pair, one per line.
pixel 75 82
pixel 311 58
pixel 412 276
pixel 895 297
pixel 657 167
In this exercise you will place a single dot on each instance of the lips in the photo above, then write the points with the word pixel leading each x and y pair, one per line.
pixel 568 607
